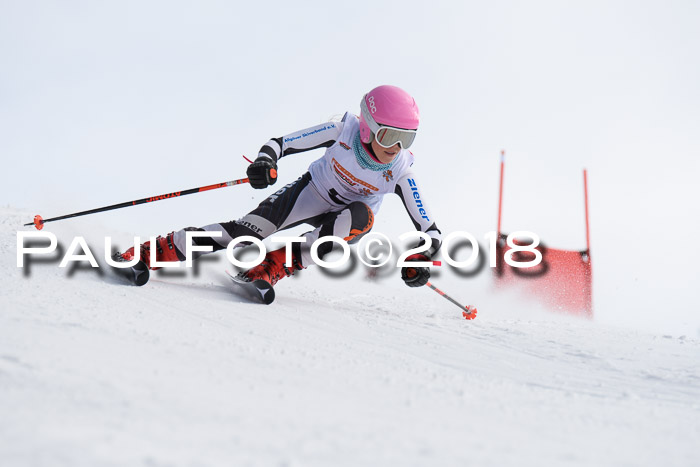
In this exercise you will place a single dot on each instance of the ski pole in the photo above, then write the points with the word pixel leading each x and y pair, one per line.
pixel 468 311
pixel 39 222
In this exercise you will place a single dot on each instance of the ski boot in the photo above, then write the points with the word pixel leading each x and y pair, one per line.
pixel 165 252
pixel 272 268
pixel 139 273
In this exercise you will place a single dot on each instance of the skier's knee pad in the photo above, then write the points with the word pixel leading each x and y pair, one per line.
pixel 362 221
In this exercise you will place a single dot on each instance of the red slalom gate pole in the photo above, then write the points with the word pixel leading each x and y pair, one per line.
pixel 39 222
pixel 500 193
pixel 585 197
pixel 468 311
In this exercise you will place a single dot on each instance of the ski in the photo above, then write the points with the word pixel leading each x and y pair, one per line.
pixel 258 290
pixel 137 275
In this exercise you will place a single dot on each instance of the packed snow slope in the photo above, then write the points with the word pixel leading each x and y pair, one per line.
pixel 335 372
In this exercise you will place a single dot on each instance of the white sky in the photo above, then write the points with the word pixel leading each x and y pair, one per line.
pixel 103 102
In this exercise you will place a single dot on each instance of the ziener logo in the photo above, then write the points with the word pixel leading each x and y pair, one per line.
pixel 416 198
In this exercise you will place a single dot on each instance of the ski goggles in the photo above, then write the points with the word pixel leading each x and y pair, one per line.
pixel 387 136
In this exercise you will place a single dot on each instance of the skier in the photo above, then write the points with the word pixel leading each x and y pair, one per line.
pixel 366 158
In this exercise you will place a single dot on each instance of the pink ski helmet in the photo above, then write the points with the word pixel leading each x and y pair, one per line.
pixel 390 115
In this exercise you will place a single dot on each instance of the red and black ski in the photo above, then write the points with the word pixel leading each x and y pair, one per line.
pixel 258 290
pixel 136 275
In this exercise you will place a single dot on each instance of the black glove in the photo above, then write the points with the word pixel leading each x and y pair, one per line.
pixel 415 276
pixel 262 173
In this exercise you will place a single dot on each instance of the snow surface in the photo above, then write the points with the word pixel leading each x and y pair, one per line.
pixel 335 372
pixel 103 102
